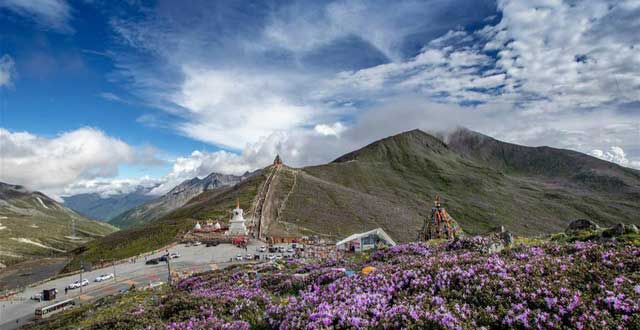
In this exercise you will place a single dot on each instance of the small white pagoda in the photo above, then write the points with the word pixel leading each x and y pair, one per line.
pixel 236 225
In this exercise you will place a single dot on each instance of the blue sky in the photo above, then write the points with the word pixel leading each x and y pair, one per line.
pixel 104 96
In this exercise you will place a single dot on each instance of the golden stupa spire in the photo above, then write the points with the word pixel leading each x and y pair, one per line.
pixel 237 203
pixel 437 200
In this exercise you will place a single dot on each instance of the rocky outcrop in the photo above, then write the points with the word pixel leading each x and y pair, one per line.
pixel 581 224
pixel 619 230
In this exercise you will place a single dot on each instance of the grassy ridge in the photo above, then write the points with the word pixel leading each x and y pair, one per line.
pixel 391 184
pixel 33 225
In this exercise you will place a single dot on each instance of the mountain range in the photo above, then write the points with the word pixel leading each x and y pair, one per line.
pixel 104 208
pixel 34 225
pixel 391 184
pixel 175 198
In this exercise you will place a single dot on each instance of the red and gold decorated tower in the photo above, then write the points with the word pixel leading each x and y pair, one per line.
pixel 440 224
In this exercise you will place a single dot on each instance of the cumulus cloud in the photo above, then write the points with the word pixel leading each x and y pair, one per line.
pixel 232 109
pixel 7 70
pixel 54 14
pixel 615 155
pixel 51 164
pixel 333 129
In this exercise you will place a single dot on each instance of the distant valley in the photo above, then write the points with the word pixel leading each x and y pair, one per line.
pixel 175 198
pixel 104 208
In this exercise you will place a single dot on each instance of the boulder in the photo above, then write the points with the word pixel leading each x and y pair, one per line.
pixel 631 229
pixel 616 230
pixel 581 224
pixel 507 238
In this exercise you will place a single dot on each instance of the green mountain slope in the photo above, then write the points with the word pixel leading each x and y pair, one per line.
pixel 391 184
pixel 34 225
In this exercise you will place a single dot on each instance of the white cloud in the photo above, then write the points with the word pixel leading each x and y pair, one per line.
pixel 233 109
pixel 615 155
pixel 558 51
pixel 51 164
pixel 7 70
pixel 110 97
pixel 334 129
pixel 53 14
pixel 108 187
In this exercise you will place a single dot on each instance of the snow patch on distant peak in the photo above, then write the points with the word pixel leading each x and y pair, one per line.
pixel 42 203
pixel 2 227
pixel 28 241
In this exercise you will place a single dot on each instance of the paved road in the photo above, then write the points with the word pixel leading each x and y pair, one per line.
pixel 192 259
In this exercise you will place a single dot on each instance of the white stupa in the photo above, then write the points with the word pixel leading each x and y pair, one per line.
pixel 236 225
pixel 197 227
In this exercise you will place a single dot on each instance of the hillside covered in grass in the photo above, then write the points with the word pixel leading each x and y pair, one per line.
pixel 484 182
pixel 33 225
pixel 455 285
pixel 391 184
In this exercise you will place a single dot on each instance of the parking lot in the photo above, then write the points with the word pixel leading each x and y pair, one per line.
pixel 20 308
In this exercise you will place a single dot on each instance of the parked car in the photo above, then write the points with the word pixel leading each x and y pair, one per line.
pixel 37 296
pixel 78 284
pixel 196 243
pixel 262 249
pixel 271 257
pixel 239 257
pixel 174 255
pixel 154 261
pixel 104 277
pixel 210 244
pixel 248 257
pixel 290 250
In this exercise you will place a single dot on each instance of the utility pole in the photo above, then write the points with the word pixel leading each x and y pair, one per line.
pixel 168 267
pixel 81 271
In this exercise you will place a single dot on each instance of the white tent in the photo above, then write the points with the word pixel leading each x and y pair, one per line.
pixel 365 241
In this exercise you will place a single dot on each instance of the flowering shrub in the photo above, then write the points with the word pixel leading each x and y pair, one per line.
pixel 581 285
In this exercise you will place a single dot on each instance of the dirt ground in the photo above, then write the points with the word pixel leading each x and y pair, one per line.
pixel 31 271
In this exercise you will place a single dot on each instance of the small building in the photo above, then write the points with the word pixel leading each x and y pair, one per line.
pixel 365 241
